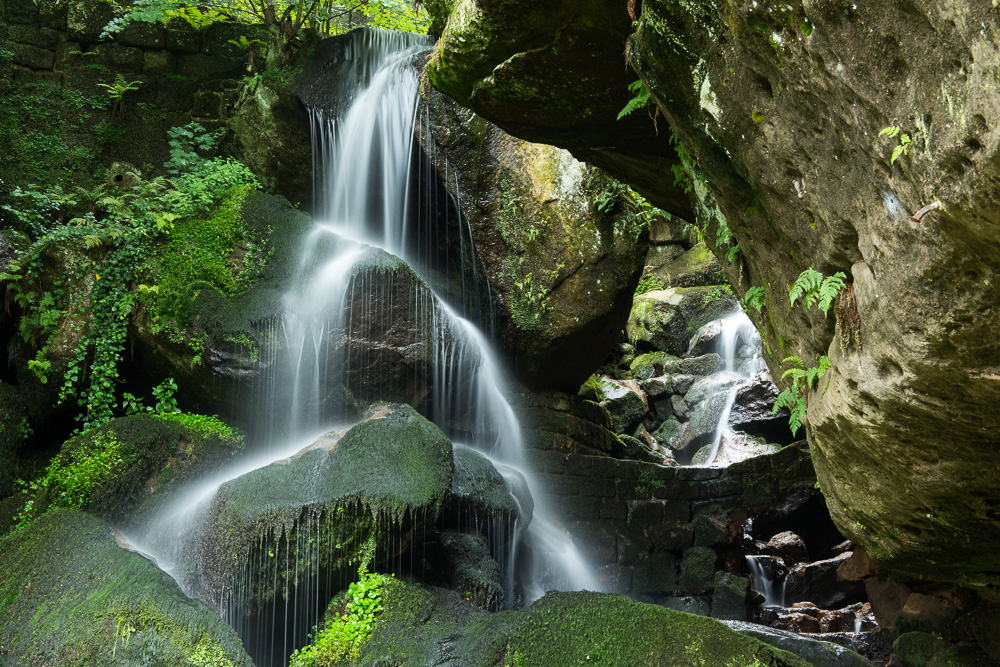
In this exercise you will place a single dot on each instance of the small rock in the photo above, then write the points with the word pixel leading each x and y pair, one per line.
pixel 789 546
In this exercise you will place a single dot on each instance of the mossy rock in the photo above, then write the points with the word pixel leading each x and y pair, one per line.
pixel 697 267
pixel 157 453
pixel 385 475
pixel 478 487
pixel 70 595
pixel 667 319
pixel 967 655
pixel 916 649
pixel 270 134
pixel 698 570
pixel 422 626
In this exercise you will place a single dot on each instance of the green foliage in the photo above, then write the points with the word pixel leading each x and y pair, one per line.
pixel 794 397
pixel 71 478
pixel 754 297
pixel 813 288
pixel 185 143
pixel 641 99
pixel 346 631
pixel 648 284
pixel 209 426
pixel 901 148
pixel 116 93
pixel 105 250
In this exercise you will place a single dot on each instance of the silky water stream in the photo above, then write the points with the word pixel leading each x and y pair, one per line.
pixel 377 208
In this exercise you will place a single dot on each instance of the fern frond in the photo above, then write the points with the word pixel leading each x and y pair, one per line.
pixel 829 290
pixel 805 285
pixel 795 361
pixel 641 99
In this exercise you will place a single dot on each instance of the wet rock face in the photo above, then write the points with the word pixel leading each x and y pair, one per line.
pixel 782 112
pixel 561 246
pixel 338 493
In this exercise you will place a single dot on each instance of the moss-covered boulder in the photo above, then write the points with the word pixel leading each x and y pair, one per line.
pixel 419 626
pixel 817 653
pixel 666 320
pixel 471 569
pixel 70 595
pixel 916 649
pixel 123 470
pixel 480 490
pixel 219 282
pixel 386 474
pixel 560 241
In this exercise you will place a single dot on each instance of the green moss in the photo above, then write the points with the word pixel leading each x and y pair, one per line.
pixel 340 491
pixel 197 256
pixel 72 596
pixel 562 629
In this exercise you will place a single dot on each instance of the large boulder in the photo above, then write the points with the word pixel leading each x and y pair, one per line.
pixel 124 470
pixel 269 132
pixel 72 595
pixel 818 653
pixel 561 243
pixel 781 116
pixel 386 474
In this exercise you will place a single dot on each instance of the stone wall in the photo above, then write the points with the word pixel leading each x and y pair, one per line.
pixel 666 534
pixel 56 123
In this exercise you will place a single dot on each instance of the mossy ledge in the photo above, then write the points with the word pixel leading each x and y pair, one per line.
pixel 422 625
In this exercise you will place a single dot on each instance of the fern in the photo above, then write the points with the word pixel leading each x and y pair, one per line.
pixel 794 397
pixel 813 288
pixel 807 283
pixel 754 297
pixel 641 99
pixel 829 290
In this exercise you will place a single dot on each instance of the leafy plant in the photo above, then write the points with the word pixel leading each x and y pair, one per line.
pixel 71 478
pixel 346 631
pixel 794 397
pixel 641 99
pixel 813 288
pixel 116 93
pixel 754 297
pixel 903 138
pixel 185 143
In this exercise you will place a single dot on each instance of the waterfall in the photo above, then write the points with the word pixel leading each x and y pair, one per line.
pixel 740 350
pixel 764 582
pixel 372 208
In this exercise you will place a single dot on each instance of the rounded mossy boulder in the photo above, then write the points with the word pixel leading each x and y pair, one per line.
pixel 70 595
pixel 122 470
pixel 579 628
pixel 479 488
pixel 382 476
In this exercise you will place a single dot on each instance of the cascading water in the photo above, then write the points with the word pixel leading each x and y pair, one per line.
pixel 371 221
pixel 740 349
pixel 764 581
